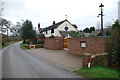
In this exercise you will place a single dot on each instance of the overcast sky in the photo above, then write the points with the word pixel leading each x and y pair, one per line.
pixel 83 13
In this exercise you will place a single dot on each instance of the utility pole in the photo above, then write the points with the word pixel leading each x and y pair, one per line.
pixel 101 14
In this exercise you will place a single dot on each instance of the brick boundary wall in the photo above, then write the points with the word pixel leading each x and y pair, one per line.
pixel 54 43
pixel 94 45
pixel 101 59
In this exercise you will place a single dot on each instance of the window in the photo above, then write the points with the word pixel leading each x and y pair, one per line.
pixel 83 44
pixel 52 31
pixel 46 31
pixel 66 28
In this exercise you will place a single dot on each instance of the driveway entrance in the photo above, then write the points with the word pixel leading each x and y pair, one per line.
pixel 60 58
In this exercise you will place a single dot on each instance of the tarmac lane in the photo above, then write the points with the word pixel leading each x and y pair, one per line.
pixel 0 64
pixel 18 63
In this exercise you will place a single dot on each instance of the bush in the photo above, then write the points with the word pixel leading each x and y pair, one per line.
pixel 27 42
pixel 34 41
pixel 75 34
pixel 100 60
pixel 40 42
pixel 113 46
pixel 52 36
pixel 41 36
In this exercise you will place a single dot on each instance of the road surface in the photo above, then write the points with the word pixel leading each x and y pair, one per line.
pixel 18 63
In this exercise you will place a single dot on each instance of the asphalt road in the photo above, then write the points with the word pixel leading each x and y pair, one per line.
pixel 18 63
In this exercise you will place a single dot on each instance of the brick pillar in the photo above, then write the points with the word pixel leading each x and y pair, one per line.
pixel 86 58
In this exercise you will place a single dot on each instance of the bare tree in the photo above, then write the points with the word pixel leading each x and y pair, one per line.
pixel 16 29
pixel 2 20
pixel 4 25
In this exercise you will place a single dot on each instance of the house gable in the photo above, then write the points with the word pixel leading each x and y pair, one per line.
pixel 68 25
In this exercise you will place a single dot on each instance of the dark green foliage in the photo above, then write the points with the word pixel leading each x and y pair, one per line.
pixel 86 30
pixel 27 31
pixel 100 60
pixel 113 46
pixel 34 41
pixel 41 36
pixel 40 42
pixel 75 34
pixel 27 42
pixel 109 33
pixel 92 29
pixel 89 30
pixel 24 46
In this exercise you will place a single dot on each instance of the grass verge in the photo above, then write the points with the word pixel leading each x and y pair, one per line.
pixel 7 44
pixel 23 46
pixel 98 72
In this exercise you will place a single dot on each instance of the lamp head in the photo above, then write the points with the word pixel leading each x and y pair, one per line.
pixel 101 5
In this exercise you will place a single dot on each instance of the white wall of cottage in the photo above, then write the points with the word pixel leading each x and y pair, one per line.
pixel 66 24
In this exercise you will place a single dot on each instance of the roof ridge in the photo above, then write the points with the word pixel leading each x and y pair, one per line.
pixel 53 26
pixel 59 22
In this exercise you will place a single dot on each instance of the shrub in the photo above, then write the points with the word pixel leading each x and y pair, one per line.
pixel 52 36
pixel 113 46
pixel 27 42
pixel 41 36
pixel 75 34
pixel 40 42
pixel 100 60
pixel 109 33
pixel 34 41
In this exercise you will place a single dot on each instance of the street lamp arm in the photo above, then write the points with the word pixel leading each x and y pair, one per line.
pixel 98 15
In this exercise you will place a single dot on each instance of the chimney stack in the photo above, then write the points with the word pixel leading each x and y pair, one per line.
pixel 53 22
pixel 38 25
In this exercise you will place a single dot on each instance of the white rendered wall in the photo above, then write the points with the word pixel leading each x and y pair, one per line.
pixel 56 32
pixel 48 33
pixel 66 24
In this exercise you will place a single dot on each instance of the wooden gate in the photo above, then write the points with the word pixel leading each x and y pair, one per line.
pixel 66 43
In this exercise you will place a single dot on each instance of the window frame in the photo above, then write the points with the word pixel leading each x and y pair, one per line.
pixel 83 44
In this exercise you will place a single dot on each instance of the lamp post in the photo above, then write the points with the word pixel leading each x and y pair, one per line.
pixel 101 14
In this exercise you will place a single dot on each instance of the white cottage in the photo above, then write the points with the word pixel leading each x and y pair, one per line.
pixel 59 29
